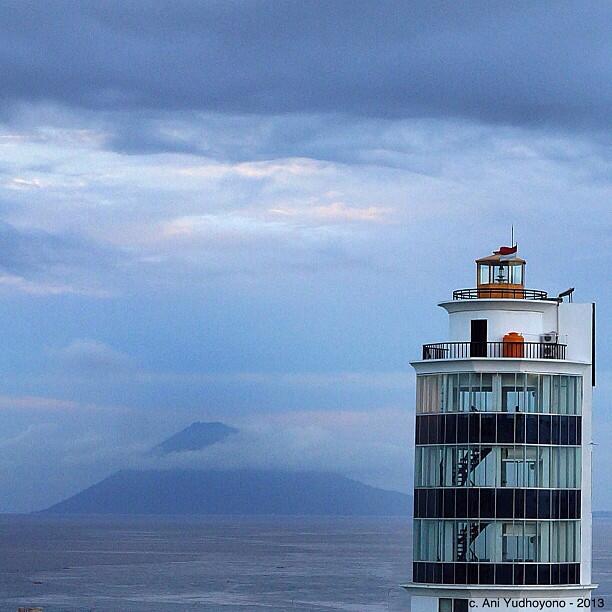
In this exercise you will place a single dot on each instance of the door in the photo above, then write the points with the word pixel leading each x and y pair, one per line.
pixel 478 338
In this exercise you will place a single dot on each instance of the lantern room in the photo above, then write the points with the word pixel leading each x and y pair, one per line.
pixel 501 274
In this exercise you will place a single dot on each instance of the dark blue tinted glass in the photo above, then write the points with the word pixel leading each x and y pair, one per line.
pixel 555 432
pixel 460 573
pixel 564 438
pixel 544 573
pixel 449 503
pixel 519 503
pixel 472 569
pixel 531 436
pixel 519 574
pixel 461 503
pixel 564 504
pixel 487 428
pixel 544 504
pixel 448 573
pixel 487 573
pixel 487 502
pixel 503 573
pixel 554 574
pixel 462 428
pixel 505 428
pixel 531 503
pixel 544 429
pixel 505 503
pixel 474 428
pixel 572 431
pixel 473 502
pixel 531 574
pixel 450 429
pixel 519 428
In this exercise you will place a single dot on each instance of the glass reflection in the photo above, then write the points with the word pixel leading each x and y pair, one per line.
pixel 497 541
pixel 513 393
pixel 548 467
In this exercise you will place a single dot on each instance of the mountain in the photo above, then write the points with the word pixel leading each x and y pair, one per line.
pixel 195 437
pixel 237 492
pixel 233 492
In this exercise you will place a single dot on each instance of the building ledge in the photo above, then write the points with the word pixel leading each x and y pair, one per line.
pixel 498 304
pixel 498 360
pixel 477 591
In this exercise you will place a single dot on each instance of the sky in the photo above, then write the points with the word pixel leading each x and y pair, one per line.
pixel 247 212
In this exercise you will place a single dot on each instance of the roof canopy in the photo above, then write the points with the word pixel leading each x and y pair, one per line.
pixel 496 259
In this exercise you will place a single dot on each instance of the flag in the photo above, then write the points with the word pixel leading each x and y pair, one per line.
pixel 505 253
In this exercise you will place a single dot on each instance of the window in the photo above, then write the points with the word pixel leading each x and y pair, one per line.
pixel 528 466
pixel 452 605
pixel 496 541
pixel 445 605
pixel 485 392
pixel 501 274
pixel 519 541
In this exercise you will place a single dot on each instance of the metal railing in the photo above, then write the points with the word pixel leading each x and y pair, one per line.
pixel 500 292
pixel 510 350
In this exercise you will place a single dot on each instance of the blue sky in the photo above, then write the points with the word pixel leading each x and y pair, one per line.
pixel 247 211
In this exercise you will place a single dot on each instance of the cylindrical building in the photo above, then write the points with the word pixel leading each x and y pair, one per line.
pixel 502 489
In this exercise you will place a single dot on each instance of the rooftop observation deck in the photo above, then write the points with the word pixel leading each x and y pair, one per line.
pixel 500 292
pixel 500 277
pixel 494 350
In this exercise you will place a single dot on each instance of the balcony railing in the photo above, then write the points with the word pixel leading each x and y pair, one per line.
pixel 510 350
pixel 500 292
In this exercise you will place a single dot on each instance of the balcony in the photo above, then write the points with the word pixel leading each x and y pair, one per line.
pixel 499 292
pixel 509 350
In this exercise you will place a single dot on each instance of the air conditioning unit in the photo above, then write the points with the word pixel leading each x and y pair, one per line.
pixel 549 338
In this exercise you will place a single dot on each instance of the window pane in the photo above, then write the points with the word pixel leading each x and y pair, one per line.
pixel 464 393
pixel 545 386
pixel 509 397
pixel 531 393
pixel 445 605
pixel 563 392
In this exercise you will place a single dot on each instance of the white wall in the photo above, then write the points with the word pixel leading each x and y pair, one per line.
pixel 575 321
pixel 530 318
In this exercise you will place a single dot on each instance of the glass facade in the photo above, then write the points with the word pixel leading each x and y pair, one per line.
pixel 476 428
pixel 498 469
pixel 501 273
pixel 485 392
pixel 550 467
pixel 497 541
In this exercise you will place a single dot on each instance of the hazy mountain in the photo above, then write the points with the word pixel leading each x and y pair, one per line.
pixel 195 437
pixel 233 492
pixel 246 491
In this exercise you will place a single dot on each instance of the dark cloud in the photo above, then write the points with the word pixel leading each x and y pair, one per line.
pixel 41 262
pixel 520 63
pixel 27 251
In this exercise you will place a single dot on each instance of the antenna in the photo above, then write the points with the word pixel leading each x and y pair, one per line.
pixel 512 235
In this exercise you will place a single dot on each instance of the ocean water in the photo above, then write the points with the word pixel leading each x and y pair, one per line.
pixel 138 564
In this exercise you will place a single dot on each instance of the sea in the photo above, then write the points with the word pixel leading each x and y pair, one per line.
pixel 175 564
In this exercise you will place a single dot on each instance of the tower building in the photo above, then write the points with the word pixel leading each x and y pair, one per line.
pixel 502 484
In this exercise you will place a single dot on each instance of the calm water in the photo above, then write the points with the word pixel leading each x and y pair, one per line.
pixel 165 564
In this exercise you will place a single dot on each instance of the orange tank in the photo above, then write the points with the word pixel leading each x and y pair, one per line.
pixel 514 345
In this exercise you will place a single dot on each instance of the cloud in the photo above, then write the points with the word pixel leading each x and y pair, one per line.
pixel 37 403
pixel 47 461
pixel 370 446
pixel 92 356
pixel 12 283
pixel 334 212
pixel 39 262
pixel 271 197
pixel 418 59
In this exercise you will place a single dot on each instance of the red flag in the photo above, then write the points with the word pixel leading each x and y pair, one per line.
pixel 507 250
